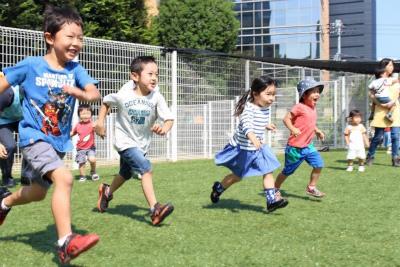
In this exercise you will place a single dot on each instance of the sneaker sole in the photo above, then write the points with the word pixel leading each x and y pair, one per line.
pixel 310 194
pixel 214 197
pixel 91 243
pixel 284 204
pixel 101 193
pixel 164 214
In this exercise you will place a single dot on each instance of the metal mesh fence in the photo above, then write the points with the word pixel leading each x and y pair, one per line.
pixel 203 89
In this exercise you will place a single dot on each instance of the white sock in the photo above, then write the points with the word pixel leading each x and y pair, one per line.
pixel 3 206
pixel 61 241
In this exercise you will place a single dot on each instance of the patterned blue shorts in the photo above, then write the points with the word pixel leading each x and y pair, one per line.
pixel 294 156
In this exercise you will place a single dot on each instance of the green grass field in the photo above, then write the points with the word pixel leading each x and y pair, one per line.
pixel 357 224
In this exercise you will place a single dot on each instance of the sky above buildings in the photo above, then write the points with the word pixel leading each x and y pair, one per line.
pixel 387 29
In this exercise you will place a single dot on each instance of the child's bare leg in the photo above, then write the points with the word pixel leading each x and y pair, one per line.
pixel 116 183
pixel 82 169
pixel 279 180
pixel 361 162
pixel 61 200
pixel 148 189
pixel 229 180
pixel 268 181
pixel 25 195
pixel 92 161
pixel 314 177
pixel 349 162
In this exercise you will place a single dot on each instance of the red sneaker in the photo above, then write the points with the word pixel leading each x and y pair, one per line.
pixel 160 213
pixel 3 213
pixel 102 202
pixel 75 245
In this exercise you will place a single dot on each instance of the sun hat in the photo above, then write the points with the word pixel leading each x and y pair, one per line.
pixel 307 84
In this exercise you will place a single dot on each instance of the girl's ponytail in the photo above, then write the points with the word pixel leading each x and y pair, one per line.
pixel 241 103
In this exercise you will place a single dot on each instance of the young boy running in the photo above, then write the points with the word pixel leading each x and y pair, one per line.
pixel 51 84
pixel 138 106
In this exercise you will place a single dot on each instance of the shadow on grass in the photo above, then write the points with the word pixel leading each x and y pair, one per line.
pixel 42 241
pixel 128 211
pixel 235 205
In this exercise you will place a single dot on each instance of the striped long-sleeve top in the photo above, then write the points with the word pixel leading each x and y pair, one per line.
pixel 253 119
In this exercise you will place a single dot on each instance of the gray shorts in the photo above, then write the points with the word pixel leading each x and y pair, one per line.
pixel 83 154
pixel 39 159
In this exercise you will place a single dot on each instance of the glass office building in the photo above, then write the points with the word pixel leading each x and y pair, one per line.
pixel 279 28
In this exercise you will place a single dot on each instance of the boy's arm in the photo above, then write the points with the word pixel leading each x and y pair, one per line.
pixel 320 134
pixel 164 129
pixel 4 85
pixel 287 120
pixel 90 92
pixel 3 151
pixel 100 129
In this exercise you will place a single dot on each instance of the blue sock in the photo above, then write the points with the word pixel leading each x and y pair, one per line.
pixel 270 195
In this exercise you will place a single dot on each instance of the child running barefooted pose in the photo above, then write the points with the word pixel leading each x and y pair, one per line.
pixel 51 84
pixel 301 120
pixel 138 105
pixel 85 147
pixel 356 138
pixel 246 154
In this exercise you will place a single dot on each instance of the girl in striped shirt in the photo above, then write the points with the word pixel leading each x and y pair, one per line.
pixel 246 154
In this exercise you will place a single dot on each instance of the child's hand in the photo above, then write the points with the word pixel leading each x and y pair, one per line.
pixel 296 132
pixel 3 152
pixel 71 90
pixel 320 135
pixel 257 143
pixel 271 127
pixel 158 129
pixel 100 130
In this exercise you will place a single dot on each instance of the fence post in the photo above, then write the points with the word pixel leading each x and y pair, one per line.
pixel 174 106
pixel 205 135
pixel 247 74
pixel 210 129
pixel 344 106
pixel 335 117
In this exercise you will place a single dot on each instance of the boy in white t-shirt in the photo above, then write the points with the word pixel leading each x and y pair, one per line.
pixel 356 138
pixel 138 105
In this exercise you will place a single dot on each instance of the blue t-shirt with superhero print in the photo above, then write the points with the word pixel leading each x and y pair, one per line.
pixel 47 110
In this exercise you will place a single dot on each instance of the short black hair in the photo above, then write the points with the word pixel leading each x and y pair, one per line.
pixel 56 17
pixel 84 106
pixel 354 113
pixel 138 62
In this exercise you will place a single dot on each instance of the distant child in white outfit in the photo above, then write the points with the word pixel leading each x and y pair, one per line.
pixel 356 138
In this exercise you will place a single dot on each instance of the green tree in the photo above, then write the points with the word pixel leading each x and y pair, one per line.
pixel 205 24
pixel 120 20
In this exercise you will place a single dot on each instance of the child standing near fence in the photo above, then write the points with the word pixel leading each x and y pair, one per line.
pixel 85 147
pixel 356 138
pixel 246 154
pixel 301 120
pixel 51 85
pixel 138 105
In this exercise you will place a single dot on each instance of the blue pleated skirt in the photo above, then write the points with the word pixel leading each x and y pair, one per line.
pixel 244 163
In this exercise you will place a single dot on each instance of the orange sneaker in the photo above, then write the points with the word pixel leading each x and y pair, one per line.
pixel 161 212
pixel 75 245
